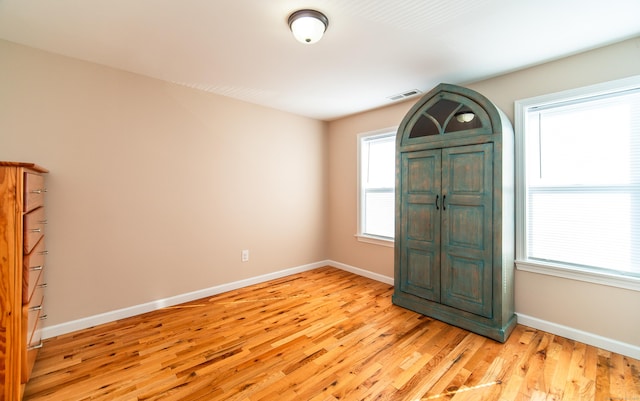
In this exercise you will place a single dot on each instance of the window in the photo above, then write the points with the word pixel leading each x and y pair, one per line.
pixel 579 184
pixel 376 183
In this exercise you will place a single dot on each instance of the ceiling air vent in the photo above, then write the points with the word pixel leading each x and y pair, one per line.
pixel 404 95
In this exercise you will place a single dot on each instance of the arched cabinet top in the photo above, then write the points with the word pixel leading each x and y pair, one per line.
pixel 449 112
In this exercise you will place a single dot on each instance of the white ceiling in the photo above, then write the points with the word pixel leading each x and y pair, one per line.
pixel 372 49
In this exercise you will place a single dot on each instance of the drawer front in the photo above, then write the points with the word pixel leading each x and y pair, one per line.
pixel 30 352
pixel 33 191
pixel 38 292
pixel 34 223
pixel 31 340
pixel 33 322
pixel 33 266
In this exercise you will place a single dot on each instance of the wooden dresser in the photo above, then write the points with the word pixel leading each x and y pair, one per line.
pixel 22 261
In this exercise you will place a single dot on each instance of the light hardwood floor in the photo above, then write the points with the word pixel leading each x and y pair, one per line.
pixel 324 335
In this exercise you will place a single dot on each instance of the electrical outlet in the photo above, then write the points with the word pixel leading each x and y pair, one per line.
pixel 245 255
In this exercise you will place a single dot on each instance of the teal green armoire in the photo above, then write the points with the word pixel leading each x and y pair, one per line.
pixel 454 235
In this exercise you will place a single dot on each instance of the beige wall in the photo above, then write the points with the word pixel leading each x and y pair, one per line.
pixel 154 188
pixel 343 246
pixel 601 310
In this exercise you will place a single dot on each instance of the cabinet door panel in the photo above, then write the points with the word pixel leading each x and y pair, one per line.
pixel 466 226
pixel 421 217
pixel 420 224
pixel 467 184
pixel 422 172
pixel 464 284
pixel 422 276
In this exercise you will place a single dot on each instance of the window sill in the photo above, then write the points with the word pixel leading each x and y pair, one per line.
pixel 576 273
pixel 375 240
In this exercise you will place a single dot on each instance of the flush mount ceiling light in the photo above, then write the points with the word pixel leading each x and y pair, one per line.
pixel 308 26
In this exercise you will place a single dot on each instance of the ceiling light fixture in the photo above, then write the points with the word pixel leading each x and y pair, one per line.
pixel 308 26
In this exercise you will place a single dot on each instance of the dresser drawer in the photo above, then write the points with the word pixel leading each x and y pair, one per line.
pixel 34 223
pixel 38 292
pixel 33 266
pixel 33 191
pixel 35 313
pixel 32 336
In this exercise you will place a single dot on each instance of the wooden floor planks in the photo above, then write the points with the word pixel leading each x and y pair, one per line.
pixel 321 335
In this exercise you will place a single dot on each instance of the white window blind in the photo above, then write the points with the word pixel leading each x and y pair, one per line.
pixel 582 174
pixel 377 182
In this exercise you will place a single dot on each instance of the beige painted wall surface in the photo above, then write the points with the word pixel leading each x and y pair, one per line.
pixel 601 310
pixel 343 246
pixel 154 188
pixel 606 311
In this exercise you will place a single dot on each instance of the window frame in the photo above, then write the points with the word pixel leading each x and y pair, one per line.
pixel 609 278
pixel 360 235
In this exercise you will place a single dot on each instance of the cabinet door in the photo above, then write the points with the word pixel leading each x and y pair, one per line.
pixel 420 223
pixel 467 186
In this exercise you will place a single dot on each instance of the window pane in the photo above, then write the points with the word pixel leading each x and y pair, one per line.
pixel 377 182
pixel 586 144
pixel 582 228
pixel 380 214
pixel 583 182
pixel 380 165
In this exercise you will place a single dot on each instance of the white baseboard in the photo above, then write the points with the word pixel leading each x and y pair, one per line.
pixel 571 333
pixel 550 327
pixel 361 272
pixel 68 327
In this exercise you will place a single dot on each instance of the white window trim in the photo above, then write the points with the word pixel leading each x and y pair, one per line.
pixel 547 268
pixel 370 239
